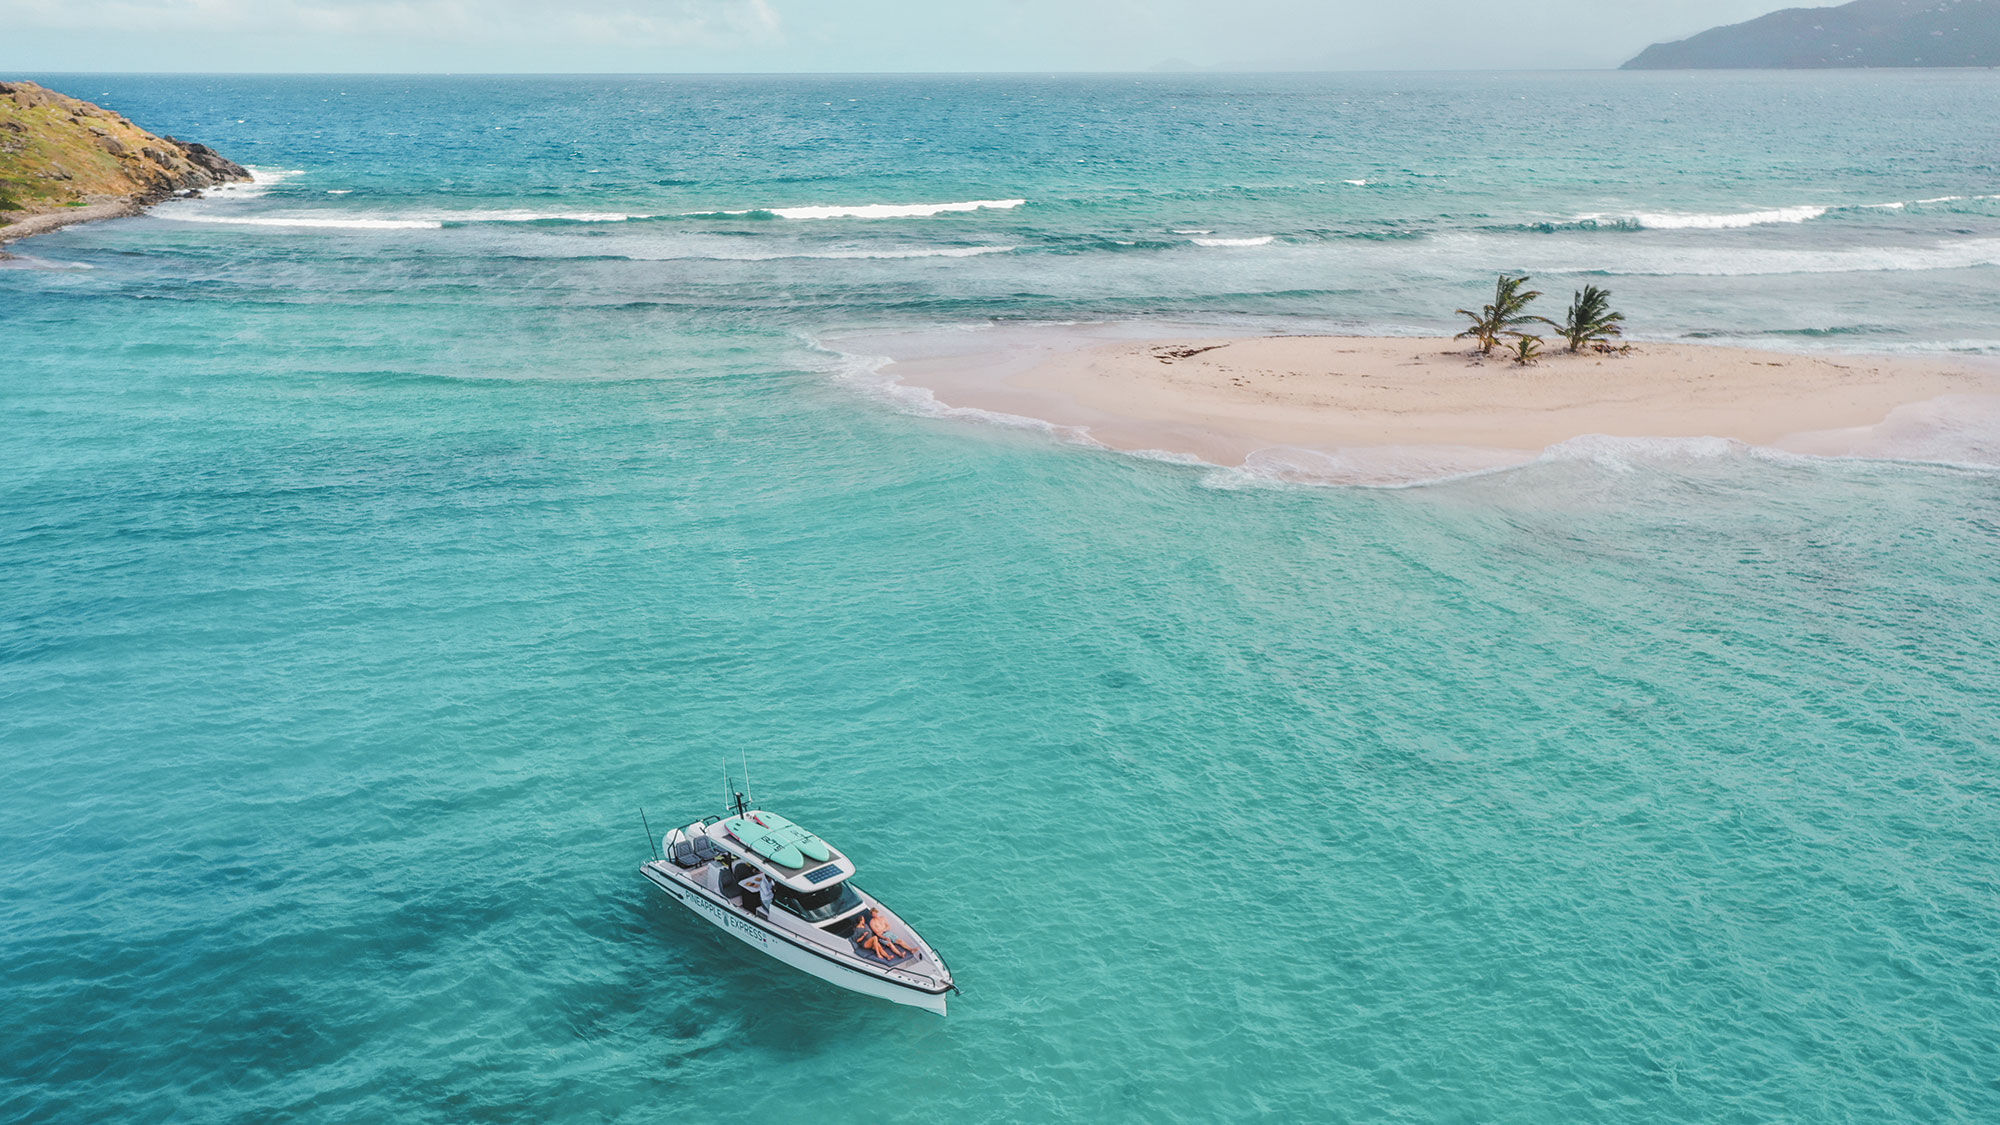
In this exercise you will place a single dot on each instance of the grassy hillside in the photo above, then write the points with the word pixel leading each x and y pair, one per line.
pixel 57 151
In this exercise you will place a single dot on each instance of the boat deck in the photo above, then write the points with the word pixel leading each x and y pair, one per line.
pixel 925 970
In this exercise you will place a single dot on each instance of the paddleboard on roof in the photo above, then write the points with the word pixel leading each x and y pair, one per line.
pixel 787 832
pixel 764 842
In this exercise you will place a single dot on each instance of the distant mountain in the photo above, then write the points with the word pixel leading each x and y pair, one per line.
pixel 1882 33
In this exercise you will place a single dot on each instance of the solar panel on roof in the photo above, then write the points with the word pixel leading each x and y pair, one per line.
pixel 822 874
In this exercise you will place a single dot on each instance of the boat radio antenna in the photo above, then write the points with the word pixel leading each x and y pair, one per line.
pixel 725 782
pixel 746 775
pixel 649 833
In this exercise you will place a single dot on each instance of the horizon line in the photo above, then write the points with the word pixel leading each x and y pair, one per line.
pixel 1147 73
pixel 1197 72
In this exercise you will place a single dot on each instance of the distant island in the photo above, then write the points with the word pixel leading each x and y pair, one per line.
pixel 63 160
pixel 1866 33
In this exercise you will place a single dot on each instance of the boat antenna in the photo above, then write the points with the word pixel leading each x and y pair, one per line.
pixel 729 797
pixel 655 848
pixel 746 775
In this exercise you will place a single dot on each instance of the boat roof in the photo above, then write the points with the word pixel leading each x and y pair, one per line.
pixel 805 876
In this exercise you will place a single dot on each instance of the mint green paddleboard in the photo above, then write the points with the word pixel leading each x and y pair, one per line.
pixel 814 848
pixel 778 839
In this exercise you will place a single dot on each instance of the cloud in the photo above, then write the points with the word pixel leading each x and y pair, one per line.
pixel 628 23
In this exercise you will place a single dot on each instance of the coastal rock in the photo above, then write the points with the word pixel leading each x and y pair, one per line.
pixel 63 157
pixel 1866 33
pixel 217 165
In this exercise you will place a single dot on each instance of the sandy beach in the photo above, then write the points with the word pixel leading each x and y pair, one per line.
pixel 28 226
pixel 1224 400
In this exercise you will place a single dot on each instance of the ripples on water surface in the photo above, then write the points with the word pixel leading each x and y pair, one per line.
pixel 361 580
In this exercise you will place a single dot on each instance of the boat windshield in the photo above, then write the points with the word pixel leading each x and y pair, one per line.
pixel 817 906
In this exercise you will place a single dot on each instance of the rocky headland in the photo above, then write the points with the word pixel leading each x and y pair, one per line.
pixel 64 160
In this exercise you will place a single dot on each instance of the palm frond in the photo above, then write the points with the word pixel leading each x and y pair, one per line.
pixel 1591 319
pixel 1527 348
pixel 1507 312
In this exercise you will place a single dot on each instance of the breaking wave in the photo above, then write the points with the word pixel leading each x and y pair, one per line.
pixel 315 221
pixel 261 180
pixel 874 210
pixel 1737 220
pixel 523 216
pixel 1657 220
pixel 838 253
pixel 1721 262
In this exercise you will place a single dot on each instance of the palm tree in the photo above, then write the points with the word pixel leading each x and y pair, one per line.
pixel 1504 314
pixel 1527 349
pixel 1590 319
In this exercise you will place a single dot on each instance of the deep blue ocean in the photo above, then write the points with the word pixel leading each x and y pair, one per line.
pixel 378 539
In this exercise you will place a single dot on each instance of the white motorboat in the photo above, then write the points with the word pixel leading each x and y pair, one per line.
pixel 791 895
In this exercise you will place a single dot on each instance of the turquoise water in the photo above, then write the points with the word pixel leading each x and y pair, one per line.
pixel 359 582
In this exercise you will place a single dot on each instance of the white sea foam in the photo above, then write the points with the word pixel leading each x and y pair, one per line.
pixel 717 251
pixel 207 211
pixel 837 253
pixel 883 210
pixel 1356 183
pixel 261 181
pixel 1192 230
pixel 314 221
pixel 1402 467
pixel 910 252
pixel 1652 220
pixel 1696 220
pixel 28 262
pixel 517 215
pixel 1898 206
pixel 1393 466
pixel 1261 240
pixel 194 212
pixel 1624 454
pixel 1959 432
pixel 1956 431
pixel 1726 262
pixel 864 372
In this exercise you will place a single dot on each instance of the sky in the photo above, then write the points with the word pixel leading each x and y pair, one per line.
pixel 795 36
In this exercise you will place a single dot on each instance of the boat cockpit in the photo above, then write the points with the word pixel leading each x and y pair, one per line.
pixel 809 878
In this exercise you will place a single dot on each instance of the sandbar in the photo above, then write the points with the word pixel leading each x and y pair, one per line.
pixel 1225 400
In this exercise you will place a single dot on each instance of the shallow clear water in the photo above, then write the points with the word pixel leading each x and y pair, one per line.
pixel 359 583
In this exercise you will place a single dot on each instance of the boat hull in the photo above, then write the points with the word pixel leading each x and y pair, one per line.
pixel 780 948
